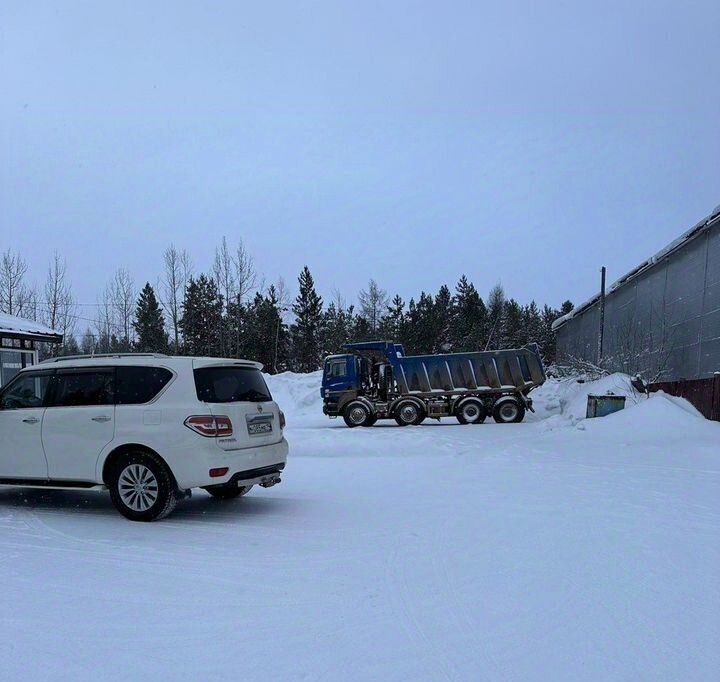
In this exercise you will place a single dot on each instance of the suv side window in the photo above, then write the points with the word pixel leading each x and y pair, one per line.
pixel 138 385
pixel 27 391
pixel 75 388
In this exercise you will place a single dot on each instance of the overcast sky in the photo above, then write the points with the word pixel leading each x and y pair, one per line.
pixel 522 141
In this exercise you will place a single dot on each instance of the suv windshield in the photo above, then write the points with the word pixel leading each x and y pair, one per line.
pixel 230 385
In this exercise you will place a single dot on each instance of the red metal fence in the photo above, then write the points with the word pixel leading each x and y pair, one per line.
pixel 704 394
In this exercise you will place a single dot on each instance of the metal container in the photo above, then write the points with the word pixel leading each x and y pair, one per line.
pixel 603 405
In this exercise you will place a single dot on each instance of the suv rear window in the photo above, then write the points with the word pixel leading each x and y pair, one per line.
pixel 231 385
pixel 138 385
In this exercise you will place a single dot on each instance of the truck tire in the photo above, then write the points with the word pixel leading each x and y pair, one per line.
pixel 471 411
pixel 356 414
pixel 409 413
pixel 371 421
pixel 510 411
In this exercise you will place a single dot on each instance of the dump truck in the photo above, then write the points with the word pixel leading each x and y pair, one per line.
pixel 375 380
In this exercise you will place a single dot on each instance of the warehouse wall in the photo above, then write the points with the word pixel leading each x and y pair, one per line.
pixel 664 323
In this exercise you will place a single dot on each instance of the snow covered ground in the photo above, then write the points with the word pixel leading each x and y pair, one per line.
pixel 556 549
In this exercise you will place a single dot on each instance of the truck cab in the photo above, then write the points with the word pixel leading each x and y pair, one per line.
pixel 363 371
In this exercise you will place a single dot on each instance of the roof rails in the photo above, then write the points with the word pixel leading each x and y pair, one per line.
pixel 105 355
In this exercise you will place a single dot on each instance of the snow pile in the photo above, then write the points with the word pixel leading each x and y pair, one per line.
pixel 563 402
pixel 297 394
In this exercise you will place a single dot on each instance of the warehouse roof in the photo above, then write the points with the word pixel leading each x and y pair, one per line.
pixel 693 232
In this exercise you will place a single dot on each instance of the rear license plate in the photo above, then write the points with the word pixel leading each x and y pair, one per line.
pixel 259 428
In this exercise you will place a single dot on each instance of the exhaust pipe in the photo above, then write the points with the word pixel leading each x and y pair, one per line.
pixel 270 482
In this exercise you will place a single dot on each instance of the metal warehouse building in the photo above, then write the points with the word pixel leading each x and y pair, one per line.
pixel 662 319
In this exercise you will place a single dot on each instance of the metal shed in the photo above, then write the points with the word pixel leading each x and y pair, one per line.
pixel 662 319
pixel 19 339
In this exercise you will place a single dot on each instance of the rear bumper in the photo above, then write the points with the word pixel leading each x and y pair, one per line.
pixel 244 465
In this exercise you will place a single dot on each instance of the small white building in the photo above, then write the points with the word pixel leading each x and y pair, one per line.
pixel 18 344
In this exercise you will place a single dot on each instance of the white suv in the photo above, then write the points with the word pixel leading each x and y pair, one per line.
pixel 147 427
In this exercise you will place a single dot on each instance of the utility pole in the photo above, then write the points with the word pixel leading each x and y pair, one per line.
pixel 601 330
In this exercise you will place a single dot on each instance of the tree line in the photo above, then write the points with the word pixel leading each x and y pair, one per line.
pixel 230 311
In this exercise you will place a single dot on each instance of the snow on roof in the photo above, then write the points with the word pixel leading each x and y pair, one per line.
pixel 693 232
pixel 18 325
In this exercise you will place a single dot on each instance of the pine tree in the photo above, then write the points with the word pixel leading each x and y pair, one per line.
pixel 392 326
pixel 266 335
pixel 532 324
pixel 338 328
pixel 202 317
pixel 307 329
pixel 422 325
pixel 468 325
pixel 149 323
pixel 496 313
pixel 512 335
pixel 442 318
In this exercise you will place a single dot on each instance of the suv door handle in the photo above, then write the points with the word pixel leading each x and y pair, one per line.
pixel 31 420
pixel 103 418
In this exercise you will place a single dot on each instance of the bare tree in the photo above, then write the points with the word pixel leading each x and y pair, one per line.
pixel 58 306
pixel 122 297
pixel 244 272
pixel 14 293
pixel 373 304
pixel 104 325
pixel 178 270
pixel 641 344
pixel 224 272
pixel 283 295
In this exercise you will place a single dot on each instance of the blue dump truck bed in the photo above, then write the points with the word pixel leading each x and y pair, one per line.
pixel 483 371
pixel 376 380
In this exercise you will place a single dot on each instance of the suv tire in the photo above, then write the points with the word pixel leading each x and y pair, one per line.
pixel 227 491
pixel 142 488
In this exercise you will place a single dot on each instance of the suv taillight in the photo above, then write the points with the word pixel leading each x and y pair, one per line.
pixel 210 426
pixel 282 420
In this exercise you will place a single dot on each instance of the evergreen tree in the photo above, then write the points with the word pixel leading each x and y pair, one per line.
pixel 202 317
pixel 307 329
pixel 422 326
pixel 266 335
pixel 338 328
pixel 532 324
pixel 441 319
pixel 392 326
pixel 512 332
pixel 496 313
pixel 468 326
pixel 149 323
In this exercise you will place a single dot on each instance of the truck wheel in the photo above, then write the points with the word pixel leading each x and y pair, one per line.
pixel 142 488
pixel 356 414
pixel 508 412
pixel 226 491
pixel 408 413
pixel 371 421
pixel 471 411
